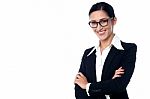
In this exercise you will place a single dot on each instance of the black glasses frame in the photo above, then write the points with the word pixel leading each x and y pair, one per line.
pixel 101 21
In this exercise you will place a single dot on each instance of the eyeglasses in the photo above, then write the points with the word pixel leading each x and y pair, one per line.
pixel 102 22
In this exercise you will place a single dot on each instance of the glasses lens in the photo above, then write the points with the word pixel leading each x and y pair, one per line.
pixel 103 22
pixel 93 24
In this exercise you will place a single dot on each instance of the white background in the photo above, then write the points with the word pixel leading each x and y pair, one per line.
pixel 42 42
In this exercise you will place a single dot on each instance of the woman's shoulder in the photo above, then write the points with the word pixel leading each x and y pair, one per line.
pixel 126 45
pixel 89 50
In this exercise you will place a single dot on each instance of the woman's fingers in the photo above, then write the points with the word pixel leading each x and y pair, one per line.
pixel 120 69
pixel 118 73
pixel 81 74
pixel 78 76
pixel 115 76
pixel 81 80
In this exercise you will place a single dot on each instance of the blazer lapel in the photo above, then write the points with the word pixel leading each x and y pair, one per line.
pixel 107 63
pixel 91 68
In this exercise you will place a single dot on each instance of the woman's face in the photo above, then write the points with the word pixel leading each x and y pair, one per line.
pixel 105 30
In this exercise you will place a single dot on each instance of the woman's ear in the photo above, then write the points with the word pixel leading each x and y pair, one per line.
pixel 114 20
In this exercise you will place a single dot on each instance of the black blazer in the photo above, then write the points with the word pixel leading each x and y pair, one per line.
pixel 116 88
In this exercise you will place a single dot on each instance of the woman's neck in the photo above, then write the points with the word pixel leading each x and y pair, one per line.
pixel 106 43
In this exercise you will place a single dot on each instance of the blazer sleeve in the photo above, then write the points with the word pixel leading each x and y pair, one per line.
pixel 79 92
pixel 118 84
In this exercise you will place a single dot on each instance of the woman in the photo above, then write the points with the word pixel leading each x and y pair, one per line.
pixel 106 69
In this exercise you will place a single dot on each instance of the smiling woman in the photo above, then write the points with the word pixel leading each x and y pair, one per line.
pixel 106 68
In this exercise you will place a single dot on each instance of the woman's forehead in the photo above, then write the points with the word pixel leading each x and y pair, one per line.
pixel 96 15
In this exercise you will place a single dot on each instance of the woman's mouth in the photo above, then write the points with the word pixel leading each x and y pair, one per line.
pixel 101 32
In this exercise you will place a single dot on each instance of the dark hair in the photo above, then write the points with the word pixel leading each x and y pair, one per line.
pixel 103 6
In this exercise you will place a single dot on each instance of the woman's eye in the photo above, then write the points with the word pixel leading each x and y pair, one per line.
pixel 103 21
pixel 94 22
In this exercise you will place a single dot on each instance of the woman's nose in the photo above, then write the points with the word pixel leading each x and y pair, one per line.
pixel 99 27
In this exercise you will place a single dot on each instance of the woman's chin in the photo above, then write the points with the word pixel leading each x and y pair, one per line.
pixel 102 38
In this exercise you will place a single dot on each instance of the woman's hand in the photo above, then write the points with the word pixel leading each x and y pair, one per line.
pixel 81 80
pixel 118 73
